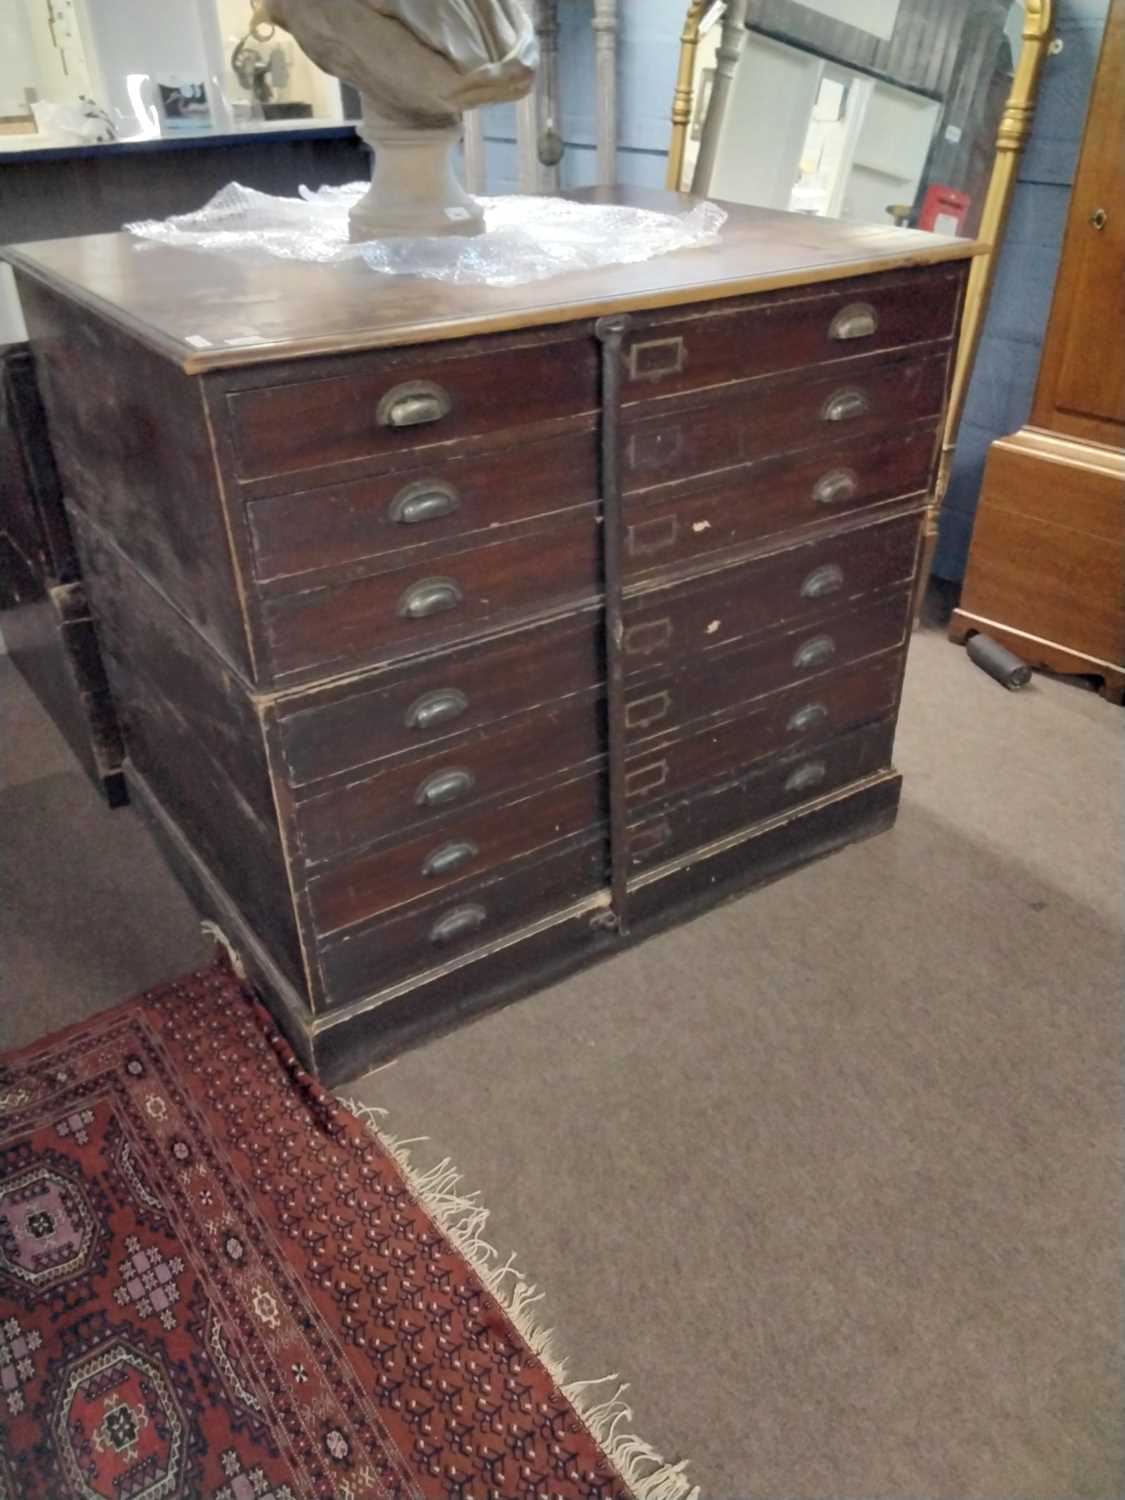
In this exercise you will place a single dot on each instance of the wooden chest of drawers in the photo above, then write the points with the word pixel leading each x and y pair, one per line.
pixel 462 635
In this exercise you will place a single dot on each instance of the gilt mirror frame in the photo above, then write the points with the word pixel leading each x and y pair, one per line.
pixel 1011 139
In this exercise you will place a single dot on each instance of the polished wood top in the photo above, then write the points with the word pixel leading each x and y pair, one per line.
pixel 210 311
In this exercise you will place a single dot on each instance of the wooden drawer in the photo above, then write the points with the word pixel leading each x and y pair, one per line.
pixel 803 584
pixel 423 704
pixel 423 605
pixel 379 406
pixel 407 791
pixel 381 954
pixel 738 674
pixel 757 419
pixel 417 510
pixel 471 844
pixel 802 490
pixel 790 330
pixel 831 705
pixel 784 783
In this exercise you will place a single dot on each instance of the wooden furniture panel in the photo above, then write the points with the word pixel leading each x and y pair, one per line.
pixel 755 420
pixel 808 490
pixel 324 630
pixel 1035 568
pixel 416 512
pixel 838 702
pixel 785 783
pixel 1081 388
pixel 192 732
pixel 464 635
pixel 461 920
pixel 800 585
pixel 419 705
pixel 410 790
pixel 740 673
pixel 290 312
pixel 470 843
pixel 385 405
pixel 1046 571
pixel 673 351
pixel 134 455
pixel 48 631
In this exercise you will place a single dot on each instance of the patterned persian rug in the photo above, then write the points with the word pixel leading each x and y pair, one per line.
pixel 216 1281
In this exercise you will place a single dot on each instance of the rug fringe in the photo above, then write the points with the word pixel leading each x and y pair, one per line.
pixel 217 935
pixel 464 1219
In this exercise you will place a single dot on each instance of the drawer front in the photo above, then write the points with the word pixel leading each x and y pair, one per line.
pixel 383 406
pixel 471 844
pixel 776 495
pixel 722 680
pixel 426 605
pixel 807 713
pixel 751 423
pixel 784 783
pixel 419 508
pixel 668 352
pixel 424 704
pixel 382 954
pixel 803 584
pixel 408 791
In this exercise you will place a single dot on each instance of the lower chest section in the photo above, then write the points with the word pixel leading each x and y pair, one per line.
pixel 529 689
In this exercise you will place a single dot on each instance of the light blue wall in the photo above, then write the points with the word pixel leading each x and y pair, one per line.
pixel 1003 381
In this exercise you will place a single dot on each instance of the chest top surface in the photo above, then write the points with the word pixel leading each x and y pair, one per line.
pixel 207 311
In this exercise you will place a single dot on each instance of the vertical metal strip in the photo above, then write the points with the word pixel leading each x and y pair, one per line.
pixel 610 332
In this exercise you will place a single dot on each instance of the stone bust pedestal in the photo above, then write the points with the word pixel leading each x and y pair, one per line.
pixel 418 64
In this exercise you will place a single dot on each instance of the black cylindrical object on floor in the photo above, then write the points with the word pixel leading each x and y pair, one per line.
pixel 998 662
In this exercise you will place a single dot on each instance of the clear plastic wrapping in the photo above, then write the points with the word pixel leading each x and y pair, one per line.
pixel 525 238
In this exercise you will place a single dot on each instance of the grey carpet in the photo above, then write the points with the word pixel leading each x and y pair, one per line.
pixel 833 1175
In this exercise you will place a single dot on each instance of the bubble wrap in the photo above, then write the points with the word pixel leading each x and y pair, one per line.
pixel 525 238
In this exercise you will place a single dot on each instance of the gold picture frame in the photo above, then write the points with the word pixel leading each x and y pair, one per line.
pixel 1011 139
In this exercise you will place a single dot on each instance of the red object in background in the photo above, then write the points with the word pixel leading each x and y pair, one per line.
pixel 943 209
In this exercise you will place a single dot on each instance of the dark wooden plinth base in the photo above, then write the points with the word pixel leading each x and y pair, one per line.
pixel 347 1043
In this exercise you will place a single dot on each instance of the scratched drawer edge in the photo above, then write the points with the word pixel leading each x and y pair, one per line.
pixel 571 875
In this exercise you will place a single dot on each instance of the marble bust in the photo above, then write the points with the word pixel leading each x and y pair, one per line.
pixel 418 64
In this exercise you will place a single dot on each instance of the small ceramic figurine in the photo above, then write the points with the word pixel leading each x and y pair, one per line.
pixel 417 65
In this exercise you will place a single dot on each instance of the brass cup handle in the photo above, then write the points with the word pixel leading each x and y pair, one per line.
pixel 835 486
pixel 433 596
pixel 815 653
pixel 823 581
pixel 432 710
pixel 845 405
pixel 805 777
pixel 458 923
pixel 806 718
pixel 449 858
pixel 858 320
pixel 444 787
pixel 424 500
pixel 413 404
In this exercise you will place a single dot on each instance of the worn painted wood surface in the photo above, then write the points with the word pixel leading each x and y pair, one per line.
pixel 377 707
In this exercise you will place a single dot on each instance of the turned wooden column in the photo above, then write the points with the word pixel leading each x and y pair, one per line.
pixel 605 48
pixel 726 62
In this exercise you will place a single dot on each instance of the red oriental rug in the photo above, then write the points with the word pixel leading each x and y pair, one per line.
pixel 216 1282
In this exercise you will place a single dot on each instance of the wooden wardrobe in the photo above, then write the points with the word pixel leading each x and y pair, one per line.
pixel 1046 572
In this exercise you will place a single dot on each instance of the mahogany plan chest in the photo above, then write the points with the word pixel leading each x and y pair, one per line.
pixel 461 635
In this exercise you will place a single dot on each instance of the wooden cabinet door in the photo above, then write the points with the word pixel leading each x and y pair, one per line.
pixel 1081 388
